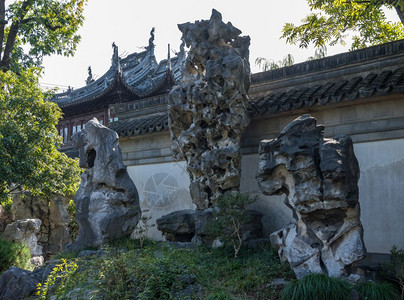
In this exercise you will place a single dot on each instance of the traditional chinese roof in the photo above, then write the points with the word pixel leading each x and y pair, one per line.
pixel 147 124
pixel 135 76
pixel 366 73
pixel 374 84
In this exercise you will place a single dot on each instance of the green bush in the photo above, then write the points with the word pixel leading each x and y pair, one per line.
pixel 13 254
pixel 230 216
pixel 316 287
pixel 57 279
pixel 144 277
pixel 73 226
pixel 376 291
pixel 394 271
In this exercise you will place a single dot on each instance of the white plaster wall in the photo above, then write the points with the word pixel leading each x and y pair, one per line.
pixel 276 214
pixel 381 193
pixel 163 188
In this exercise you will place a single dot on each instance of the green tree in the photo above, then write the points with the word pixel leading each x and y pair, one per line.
pixel 29 159
pixel 319 53
pixel 331 22
pixel 230 219
pixel 31 29
pixel 267 64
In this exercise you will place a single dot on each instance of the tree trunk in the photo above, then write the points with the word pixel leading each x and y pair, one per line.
pixel 12 35
pixel 2 23
pixel 400 14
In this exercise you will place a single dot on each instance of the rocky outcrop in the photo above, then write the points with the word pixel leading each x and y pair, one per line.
pixel 6 217
pixel 192 226
pixel 319 177
pixel 16 283
pixel 207 111
pixel 54 232
pixel 107 202
pixel 25 231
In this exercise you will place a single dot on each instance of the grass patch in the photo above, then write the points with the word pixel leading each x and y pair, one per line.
pixel 316 287
pixel 161 271
pixel 377 290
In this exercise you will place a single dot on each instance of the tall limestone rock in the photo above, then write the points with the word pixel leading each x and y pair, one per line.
pixel 207 110
pixel 107 202
pixel 319 177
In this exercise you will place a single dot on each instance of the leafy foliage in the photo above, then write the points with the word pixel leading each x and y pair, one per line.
pixel 316 287
pixel 268 64
pixel 230 216
pixel 29 141
pixel 142 228
pixel 332 20
pixel 13 254
pixel 73 226
pixel 148 278
pixel 40 27
pixel 57 278
pixel 394 271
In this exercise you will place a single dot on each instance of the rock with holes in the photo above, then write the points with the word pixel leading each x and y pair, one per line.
pixel 319 177
pixel 208 109
pixel 107 202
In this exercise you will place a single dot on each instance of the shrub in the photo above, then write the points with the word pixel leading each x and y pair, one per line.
pixel 13 254
pixel 376 290
pixel 316 287
pixel 57 279
pixel 230 216
pixel 396 268
pixel 143 227
pixel 73 226
pixel 6 203
pixel 140 276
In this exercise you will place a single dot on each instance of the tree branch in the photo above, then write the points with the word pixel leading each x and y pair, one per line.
pixel 12 35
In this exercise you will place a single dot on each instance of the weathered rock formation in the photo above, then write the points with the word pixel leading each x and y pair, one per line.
pixel 319 177
pixel 192 226
pixel 54 232
pixel 6 217
pixel 16 283
pixel 207 111
pixel 25 231
pixel 107 202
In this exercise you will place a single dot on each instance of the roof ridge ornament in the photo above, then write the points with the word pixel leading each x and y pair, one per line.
pixel 168 59
pixel 151 46
pixel 115 58
pixel 89 79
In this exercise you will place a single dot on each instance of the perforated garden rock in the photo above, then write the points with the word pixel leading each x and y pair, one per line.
pixel 208 109
pixel 107 202
pixel 319 177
